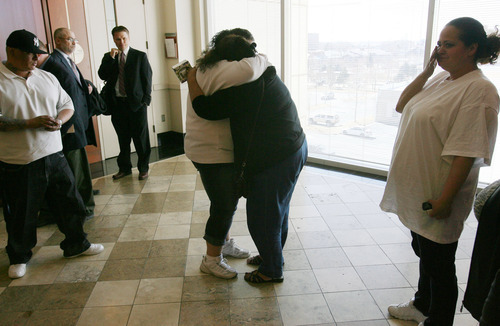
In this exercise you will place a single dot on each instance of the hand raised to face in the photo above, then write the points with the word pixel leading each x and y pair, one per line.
pixel 114 52
pixel 431 65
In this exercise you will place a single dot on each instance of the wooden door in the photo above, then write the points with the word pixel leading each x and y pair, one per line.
pixel 71 14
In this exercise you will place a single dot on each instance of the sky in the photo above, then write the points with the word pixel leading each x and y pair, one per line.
pixel 362 20
pixel 386 20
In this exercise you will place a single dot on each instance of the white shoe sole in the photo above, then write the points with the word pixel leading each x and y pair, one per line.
pixel 94 249
pixel 205 270
pixel 235 256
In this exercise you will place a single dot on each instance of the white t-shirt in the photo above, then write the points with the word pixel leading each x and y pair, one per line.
pixel 210 142
pixel 447 118
pixel 40 94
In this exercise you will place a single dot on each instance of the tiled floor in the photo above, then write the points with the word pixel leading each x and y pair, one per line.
pixel 345 260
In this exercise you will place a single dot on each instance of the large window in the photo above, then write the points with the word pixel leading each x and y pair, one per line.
pixel 360 55
pixel 348 61
pixel 261 17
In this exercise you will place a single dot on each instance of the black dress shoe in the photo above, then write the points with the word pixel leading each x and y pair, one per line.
pixel 143 175
pixel 121 174
pixel 96 192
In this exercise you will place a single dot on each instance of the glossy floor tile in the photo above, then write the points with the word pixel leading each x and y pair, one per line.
pixel 345 260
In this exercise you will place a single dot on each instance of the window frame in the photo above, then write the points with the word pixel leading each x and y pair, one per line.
pixel 354 165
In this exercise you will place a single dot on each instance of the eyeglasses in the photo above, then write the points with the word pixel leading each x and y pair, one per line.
pixel 70 39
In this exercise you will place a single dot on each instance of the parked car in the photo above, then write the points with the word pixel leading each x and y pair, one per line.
pixel 328 96
pixel 324 119
pixel 358 131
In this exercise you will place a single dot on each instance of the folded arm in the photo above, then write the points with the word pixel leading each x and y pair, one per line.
pixel 64 112
pixel 44 121
pixel 106 67
pixel 234 73
pixel 214 107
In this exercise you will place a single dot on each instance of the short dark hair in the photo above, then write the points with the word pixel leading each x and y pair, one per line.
pixel 118 29
pixel 471 32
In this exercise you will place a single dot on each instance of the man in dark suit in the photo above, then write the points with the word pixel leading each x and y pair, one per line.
pixel 74 136
pixel 127 94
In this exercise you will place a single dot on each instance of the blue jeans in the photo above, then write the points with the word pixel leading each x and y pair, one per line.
pixel 437 292
pixel 25 187
pixel 268 204
pixel 218 180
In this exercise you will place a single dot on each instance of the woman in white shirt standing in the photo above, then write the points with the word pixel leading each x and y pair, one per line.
pixel 447 132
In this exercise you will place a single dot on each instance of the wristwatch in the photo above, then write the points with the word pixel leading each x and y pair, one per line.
pixel 59 121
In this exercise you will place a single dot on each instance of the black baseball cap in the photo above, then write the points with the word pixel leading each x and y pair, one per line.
pixel 24 41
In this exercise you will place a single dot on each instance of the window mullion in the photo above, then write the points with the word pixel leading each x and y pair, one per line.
pixel 431 18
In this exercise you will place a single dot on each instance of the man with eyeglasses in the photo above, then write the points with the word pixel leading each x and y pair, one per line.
pixel 34 108
pixel 76 130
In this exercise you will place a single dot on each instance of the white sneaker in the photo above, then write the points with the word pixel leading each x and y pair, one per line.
pixel 17 270
pixel 94 249
pixel 407 311
pixel 231 249
pixel 217 266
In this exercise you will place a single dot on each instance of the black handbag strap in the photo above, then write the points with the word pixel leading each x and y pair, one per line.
pixel 244 163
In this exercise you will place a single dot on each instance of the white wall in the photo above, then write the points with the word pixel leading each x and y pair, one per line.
pixel 159 20
pixel 187 15
pixel 169 96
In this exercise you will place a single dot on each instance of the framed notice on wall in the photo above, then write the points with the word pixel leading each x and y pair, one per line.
pixel 171 46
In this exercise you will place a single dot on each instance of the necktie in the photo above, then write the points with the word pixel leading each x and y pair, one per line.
pixel 121 74
pixel 75 71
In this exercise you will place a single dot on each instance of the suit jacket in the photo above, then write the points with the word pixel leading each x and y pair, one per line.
pixel 96 106
pixel 138 79
pixel 78 91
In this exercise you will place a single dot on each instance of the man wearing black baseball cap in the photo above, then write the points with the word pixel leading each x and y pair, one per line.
pixel 24 49
pixel 34 106
pixel 25 41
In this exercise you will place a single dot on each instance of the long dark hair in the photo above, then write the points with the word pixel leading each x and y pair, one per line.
pixel 229 44
pixel 472 31
pixel 235 31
